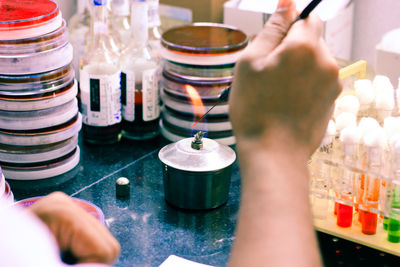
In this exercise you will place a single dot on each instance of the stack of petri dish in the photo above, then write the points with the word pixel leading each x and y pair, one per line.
pixel 6 195
pixel 39 118
pixel 198 66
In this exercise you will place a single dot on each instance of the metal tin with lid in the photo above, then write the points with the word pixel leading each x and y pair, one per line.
pixel 196 173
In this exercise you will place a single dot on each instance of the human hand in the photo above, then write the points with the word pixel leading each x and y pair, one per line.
pixel 285 84
pixel 76 231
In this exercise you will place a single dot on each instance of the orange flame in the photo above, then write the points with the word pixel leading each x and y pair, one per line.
pixel 198 107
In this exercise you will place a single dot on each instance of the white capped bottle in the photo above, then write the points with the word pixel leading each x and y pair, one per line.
pixel 100 83
pixel 139 80
pixel 120 23
pixel 154 26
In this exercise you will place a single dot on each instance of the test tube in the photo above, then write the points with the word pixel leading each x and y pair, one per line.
pixel 385 97
pixel 375 143
pixel 366 125
pixel 320 174
pixel 349 137
pixel 366 96
pixel 392 207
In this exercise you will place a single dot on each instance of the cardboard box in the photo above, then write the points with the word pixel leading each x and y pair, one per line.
pixel 338 31
pixel 203 10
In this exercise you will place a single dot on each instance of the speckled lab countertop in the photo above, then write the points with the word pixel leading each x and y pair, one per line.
pixel 150 230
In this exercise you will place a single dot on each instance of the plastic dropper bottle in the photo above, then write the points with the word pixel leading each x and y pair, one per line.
pixel 375 143
pixel 154 27
pixel 100 83
pixel 120 23
pixel 79 28
pixel 349 137
pixel 139 81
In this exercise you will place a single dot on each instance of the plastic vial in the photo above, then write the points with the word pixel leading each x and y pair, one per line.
pixel 79 28
pixel 154 27
pixel 120 23
pixel 100 83
pixel 350 139
pixel 139 81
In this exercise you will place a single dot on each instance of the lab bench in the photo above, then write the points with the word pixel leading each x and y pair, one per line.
pixel 149 230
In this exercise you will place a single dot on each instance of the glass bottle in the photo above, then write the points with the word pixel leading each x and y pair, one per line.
pixel 139 81
pixel 120 23
pixel 79 28
pixel 155 31
pixel 100 83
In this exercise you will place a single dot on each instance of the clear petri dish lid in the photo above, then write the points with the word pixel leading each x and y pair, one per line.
pixel 54 39
pixel 36 83
pixel 204 39
pixel 32 63
pixel 40 101
pixel 199 72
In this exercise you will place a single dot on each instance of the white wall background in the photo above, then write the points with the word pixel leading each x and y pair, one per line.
pixel 68 7
pixel 373 18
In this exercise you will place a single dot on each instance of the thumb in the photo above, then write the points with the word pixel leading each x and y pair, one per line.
pixel 275 29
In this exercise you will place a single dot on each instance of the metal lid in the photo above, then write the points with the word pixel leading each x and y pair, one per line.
pixel 204 38
pixel 212 156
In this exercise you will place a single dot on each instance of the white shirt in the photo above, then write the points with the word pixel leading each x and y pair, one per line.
pixel 26 242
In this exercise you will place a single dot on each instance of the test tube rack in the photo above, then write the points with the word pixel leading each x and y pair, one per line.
pixel 323 205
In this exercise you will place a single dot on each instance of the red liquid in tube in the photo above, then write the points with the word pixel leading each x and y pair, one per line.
pixel 344 215
pixel 369 223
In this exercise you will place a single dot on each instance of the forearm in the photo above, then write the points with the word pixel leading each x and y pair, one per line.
pixel 275 223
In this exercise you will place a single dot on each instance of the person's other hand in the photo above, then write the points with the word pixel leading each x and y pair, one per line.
pixel 285 84
pixel 77 232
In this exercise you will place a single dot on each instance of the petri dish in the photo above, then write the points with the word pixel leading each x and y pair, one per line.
pixel 183 105
pixel 37 101
pixel 38 119
pixel 28 18
pixel 203 44
pixel 199 72
pixel 86 205
pixel 36 83
pixel 2 185
pixel 42 170
pixel 49 60
pixel 45 42
pixel 32 154
pixel 186 121
pixel 207 89
pixel 42 136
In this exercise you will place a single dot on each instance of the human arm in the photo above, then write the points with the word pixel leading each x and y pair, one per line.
pixel 76 231
pixel 281 100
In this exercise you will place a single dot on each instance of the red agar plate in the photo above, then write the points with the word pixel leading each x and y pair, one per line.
pixel 23 13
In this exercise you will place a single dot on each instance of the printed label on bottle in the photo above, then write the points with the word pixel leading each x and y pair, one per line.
pixel 154 17
pixel 128 95
pixel 101 98
pixel 151 98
